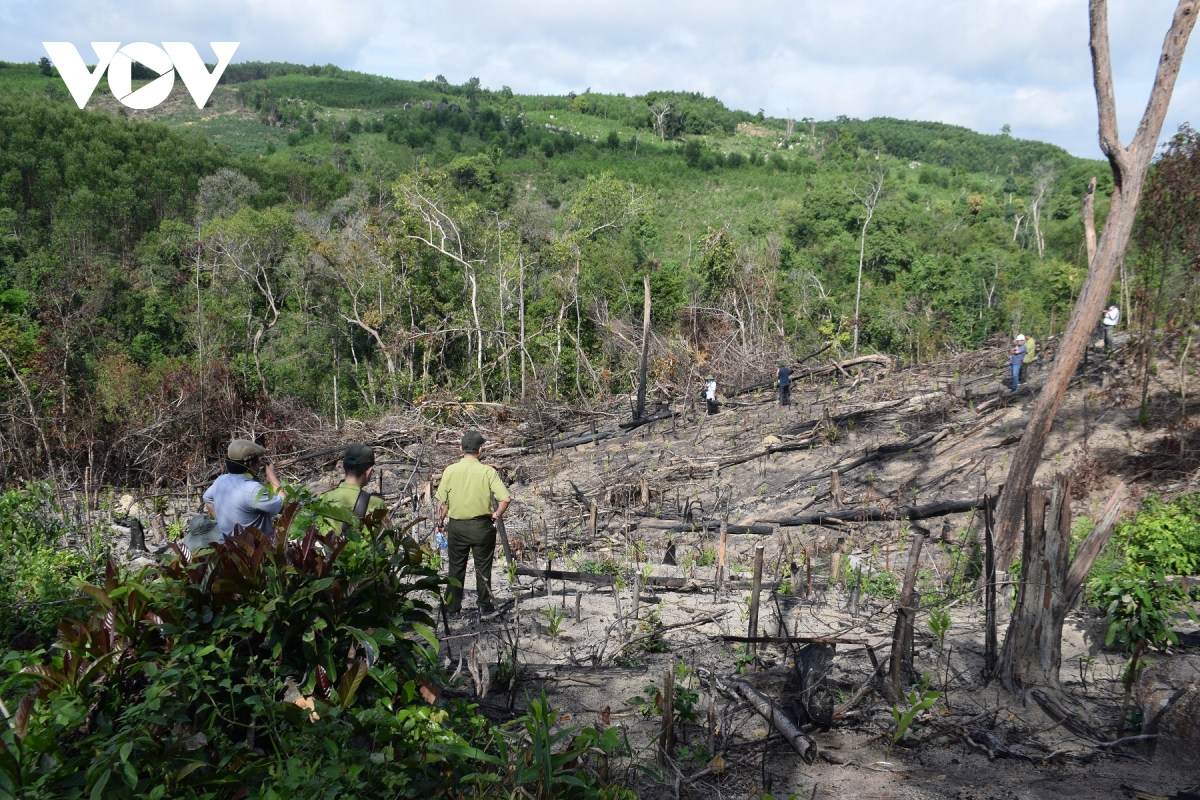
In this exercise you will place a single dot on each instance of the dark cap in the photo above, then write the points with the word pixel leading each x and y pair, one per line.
pixel 359 455
pixel 242 449
pixel 472 441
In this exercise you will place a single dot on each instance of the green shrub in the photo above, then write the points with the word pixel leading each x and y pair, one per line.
pixel 1132 582
pixel 35 573
pixel 269 667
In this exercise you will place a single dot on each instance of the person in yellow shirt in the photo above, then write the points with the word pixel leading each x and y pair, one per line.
pixel 352 494
pixel 465 499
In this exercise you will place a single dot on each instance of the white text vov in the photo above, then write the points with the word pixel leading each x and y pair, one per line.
pixel 165 60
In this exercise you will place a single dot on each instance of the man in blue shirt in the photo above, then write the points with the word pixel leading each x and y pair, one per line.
pixel 785 384
pixel 237 497
pixel 1016 358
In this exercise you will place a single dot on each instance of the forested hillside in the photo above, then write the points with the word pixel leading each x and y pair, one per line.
pixel 318 240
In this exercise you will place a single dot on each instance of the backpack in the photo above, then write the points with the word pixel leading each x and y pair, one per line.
pixel 360 506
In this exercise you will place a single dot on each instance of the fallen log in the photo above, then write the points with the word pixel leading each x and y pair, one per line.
pixel 785 447
pixel 565 444
pixel 928 438
pixel 637 423
pixel 791 640
pixel 802 744
pixel 659 581
pixel 939 509
pixel 805 427
pixel 560 575
pixel 713 524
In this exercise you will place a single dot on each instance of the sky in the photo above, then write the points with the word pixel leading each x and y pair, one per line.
pixel 978 63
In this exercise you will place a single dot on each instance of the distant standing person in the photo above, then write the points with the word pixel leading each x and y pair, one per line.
pixel 465 497
pixel 710 394
pixel 238 497
pixel 785 384
pixel 352 494
pixel 1017 358
pixel 1112 316
pixel 1030 358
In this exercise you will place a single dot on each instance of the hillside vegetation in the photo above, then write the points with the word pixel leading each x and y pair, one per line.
pixel 319 239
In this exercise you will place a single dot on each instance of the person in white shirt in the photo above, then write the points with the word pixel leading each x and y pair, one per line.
pixel 710 394
pixel 1112 316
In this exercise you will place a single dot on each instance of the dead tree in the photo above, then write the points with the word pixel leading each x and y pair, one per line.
pixel 1032 652
pixel 641 394
pixel 1129 165
pixel 1050 585
pixel 867 192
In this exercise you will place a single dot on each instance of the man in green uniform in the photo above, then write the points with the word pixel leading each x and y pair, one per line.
pixel 352 494
pixel 465 496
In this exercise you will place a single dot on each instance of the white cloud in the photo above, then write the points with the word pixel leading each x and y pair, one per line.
pixel 979 63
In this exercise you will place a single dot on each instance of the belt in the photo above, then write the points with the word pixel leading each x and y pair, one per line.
pixel 473 519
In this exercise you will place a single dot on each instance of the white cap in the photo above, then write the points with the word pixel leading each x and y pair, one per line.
pixel 1020 337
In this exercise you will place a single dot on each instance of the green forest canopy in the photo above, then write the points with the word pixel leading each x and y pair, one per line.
pixel 396 235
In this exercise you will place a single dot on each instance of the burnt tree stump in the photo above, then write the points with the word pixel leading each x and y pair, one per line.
pixel 1032 652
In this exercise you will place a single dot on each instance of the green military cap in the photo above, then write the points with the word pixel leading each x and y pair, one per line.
pixel 472 441
pixel 242 449
pixel 359 455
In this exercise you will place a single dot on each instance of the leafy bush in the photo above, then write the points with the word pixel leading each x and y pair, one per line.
pixel 35 573
pixel 881 584
pixel 1133 584
pixel 267 667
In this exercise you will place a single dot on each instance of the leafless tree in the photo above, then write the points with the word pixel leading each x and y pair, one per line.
pixel 867 190
pixel 1043 177
pixel 660 111
pixel 1129 165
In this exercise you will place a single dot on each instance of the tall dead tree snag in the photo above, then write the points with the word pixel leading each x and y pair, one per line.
pixel 641 395
pixel 1129 165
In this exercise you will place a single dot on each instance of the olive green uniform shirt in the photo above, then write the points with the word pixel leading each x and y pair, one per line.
pixel 346 495
pixel 468 486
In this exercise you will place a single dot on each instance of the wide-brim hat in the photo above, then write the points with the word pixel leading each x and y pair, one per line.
pixel 242 449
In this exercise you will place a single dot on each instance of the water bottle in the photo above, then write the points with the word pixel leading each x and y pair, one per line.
pixel 439 540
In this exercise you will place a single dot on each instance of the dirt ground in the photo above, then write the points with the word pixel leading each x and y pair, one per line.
pixel 976 742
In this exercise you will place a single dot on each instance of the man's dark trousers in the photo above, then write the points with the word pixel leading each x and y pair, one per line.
pixel 785 394
pixel 476 537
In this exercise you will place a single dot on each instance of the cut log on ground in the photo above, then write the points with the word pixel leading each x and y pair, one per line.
pixel 786 447
pixel 805 427
pixel 637 423
pixel 802 744
pixel 925 439
pixel 833 518
pixel 713 524
pixel 792 640
pixel 657 581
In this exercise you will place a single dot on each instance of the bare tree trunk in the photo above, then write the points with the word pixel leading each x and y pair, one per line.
pixel 478 337
pixel 869 197
pixel 641 395
pixel 905 615
pixel 1089 221
pixel 1129 173
pixel 521 314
